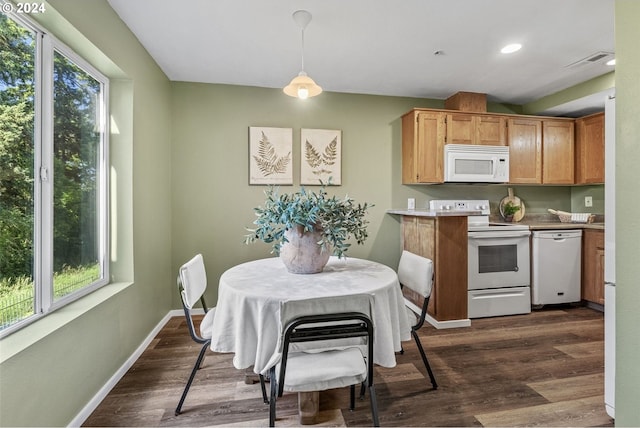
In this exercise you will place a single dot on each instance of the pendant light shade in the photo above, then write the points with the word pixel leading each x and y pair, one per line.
pixel 302 86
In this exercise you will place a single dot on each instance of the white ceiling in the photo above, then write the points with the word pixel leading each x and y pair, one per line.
pixel 381 47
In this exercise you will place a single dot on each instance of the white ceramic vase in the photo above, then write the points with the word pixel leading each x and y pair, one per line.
pixel 302 254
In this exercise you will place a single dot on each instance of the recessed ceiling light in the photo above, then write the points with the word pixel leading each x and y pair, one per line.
pixel 611 62
pixel 513 47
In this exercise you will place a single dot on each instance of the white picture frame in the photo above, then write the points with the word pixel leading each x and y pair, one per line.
pixel 270 156
pixel 320 156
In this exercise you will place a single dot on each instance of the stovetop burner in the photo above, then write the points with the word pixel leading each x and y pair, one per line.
pixel 475 223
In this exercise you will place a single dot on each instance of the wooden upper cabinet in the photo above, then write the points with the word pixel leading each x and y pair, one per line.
pixel 590 149
pixel 525 150
pixel 423 134
pixel 541 150
pixel 558 151
pixel 465 128
pixel 460 128
pixel 491 130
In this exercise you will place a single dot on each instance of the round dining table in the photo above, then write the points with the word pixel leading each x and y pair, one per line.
pixel 246 320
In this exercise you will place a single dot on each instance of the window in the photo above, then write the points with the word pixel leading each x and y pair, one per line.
pixel 53 175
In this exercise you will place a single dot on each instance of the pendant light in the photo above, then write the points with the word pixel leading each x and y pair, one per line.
pixel 302 86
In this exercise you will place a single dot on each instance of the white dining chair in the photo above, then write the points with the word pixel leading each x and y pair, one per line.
pixel 415 274
pixel 302 364
pixel 192 283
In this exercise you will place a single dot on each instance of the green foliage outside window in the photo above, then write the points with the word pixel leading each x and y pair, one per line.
pixel 17 53
pixel 76 141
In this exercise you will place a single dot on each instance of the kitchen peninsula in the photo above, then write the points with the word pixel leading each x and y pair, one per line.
pixel 442 237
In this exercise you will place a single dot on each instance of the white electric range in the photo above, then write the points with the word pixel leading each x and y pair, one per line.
pixel 498 261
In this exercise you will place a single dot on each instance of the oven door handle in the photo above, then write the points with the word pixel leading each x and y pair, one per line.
pixel 501 234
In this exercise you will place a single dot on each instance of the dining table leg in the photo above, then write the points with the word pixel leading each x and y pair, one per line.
pixel 308 406
pixel 250 377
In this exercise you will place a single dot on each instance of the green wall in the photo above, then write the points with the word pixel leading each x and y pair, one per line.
pixel 50 369
pixel 627 209
pixel 213 202
pixel 592 86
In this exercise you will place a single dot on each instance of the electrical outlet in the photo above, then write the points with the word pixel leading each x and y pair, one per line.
pixel 588 201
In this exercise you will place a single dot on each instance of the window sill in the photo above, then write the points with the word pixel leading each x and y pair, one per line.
pixel 30 334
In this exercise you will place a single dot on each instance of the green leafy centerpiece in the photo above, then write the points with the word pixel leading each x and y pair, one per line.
pixel 306 227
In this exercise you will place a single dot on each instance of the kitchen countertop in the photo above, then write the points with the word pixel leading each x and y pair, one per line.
pixel 558 225
pixel 423 213
pixel 535 221
pixel 551 222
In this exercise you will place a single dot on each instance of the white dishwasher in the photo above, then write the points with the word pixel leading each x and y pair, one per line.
pixel 556 266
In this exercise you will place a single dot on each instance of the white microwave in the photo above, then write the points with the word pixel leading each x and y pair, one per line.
pixel 466 163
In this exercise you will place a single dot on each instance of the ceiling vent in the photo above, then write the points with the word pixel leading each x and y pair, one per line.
pixel 596 58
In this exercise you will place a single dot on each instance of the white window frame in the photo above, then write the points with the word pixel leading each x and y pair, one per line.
pixel 43 170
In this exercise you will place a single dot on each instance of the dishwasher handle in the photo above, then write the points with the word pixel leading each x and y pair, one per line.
pixel 558 236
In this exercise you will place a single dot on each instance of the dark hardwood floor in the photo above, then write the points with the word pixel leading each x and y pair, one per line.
pixel 541 369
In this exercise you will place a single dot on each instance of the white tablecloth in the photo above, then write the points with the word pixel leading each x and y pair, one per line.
pixel 247 320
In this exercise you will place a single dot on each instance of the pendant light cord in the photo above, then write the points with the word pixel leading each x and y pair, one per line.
pixel 302 86
pixel 302 56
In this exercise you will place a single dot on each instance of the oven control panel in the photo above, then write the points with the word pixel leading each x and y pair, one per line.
pixel 460 205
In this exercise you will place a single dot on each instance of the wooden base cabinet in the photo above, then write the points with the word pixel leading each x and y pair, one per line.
pixel 444 241
pixel 593 266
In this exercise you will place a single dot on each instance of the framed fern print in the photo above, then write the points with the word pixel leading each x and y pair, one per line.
pixel 270 155
pixel 321 156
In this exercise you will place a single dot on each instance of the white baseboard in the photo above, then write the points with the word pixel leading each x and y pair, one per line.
pixel 107 387
pixel 448 324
